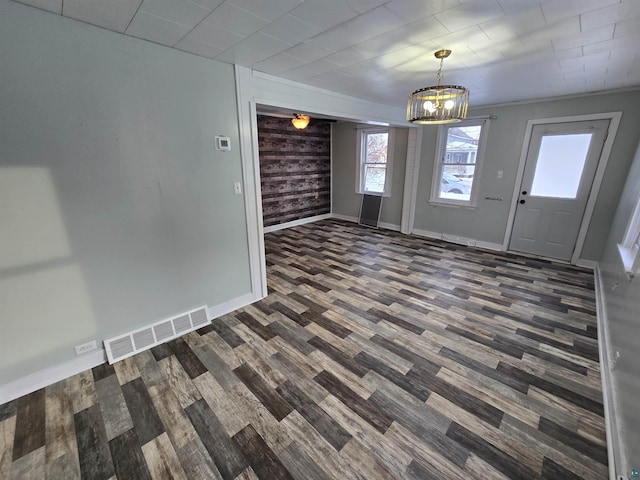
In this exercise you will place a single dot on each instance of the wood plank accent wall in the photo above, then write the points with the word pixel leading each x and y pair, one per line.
pixel 295 169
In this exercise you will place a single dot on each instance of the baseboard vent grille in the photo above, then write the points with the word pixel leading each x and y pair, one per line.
pixel 141 339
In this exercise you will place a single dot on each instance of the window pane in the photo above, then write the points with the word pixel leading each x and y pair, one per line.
pixel 374 178
pixel 462 144
pixel 459 162
pixel 455 183
pixel 560 164
pixel 377 147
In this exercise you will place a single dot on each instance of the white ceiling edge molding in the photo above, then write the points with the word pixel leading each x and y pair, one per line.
pixel 553 99
pixel 274 91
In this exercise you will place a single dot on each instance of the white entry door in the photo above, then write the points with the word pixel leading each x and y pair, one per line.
pixel 560 166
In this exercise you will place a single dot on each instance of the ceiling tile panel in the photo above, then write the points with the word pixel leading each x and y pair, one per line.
pixel 597 58
pixel 460 42
pixel 213 35
pixel 589 37
pixel 309 70
pixel 260 45
pixel 279 63
pixel 514 6
pixel 290 29
pixel 359 29
pixel 190 45
pixel 54 6
pixel 398 57
pixel 235 20
pixel 349 56
pixel 176 11
pixel 362 6
pixel 114 15
pixel 629 43
pixel 156 29
pixel 308 51
pixel 317 14
pixel 469 13
pixel 267 9
pixel 555 11
pixel 510 26
pixel 563 28
pixel 370 68
pixel 603 16
pixel 209 4
pixel 411 10
pixel 331 80
pixel 627 27
pixel 411 34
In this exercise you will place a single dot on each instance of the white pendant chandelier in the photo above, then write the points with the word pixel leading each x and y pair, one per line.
pixel 438 104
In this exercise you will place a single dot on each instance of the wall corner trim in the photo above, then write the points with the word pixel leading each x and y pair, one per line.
pixel 615 451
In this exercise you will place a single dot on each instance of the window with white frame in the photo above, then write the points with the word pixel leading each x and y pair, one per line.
pixel 630 247
pixel 460 149
pixel 375 159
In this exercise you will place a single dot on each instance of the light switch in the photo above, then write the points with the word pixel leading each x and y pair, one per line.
pixel 500 172
pixel 237 188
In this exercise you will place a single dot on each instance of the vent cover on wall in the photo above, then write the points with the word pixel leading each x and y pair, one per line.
pixel 136 341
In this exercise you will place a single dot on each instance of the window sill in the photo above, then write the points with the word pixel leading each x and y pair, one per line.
pixel 630 260
pixel 437 203
pixel 376 194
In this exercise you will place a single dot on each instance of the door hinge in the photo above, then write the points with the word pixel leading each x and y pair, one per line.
pixel 606 135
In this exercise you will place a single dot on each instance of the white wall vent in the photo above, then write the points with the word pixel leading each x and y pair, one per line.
pixel 141 339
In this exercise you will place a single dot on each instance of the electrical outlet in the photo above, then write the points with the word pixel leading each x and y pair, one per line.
pixel 86 347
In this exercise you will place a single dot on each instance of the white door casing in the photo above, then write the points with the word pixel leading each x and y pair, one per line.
pixel 560 167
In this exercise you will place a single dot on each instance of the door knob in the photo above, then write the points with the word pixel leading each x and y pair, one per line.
pixel 522 201
pixel 524 192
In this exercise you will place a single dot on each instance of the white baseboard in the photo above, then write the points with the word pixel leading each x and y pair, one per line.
pixel 48 376
pixel 590 264
pixel 615 451
pixel 43 378
pixel 231 305
pixel 347 218
pixel 468 242
pixel 295 223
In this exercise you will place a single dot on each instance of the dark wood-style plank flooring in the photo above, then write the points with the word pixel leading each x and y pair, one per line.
pixel 375 356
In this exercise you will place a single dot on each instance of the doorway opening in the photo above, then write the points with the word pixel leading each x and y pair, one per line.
pixel 561 168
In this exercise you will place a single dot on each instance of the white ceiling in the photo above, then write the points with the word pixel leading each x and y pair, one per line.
pixel 380 50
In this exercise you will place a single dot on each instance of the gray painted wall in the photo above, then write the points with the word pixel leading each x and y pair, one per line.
pixel 622 304
pixel 115 208
pixel 345 200
pixel 504 145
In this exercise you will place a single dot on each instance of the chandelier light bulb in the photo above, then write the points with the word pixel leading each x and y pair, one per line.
pixel 428 105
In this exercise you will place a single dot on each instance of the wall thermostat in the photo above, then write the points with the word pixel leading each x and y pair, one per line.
pixel 223 143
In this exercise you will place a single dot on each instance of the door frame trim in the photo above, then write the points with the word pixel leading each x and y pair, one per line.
pixel 614 122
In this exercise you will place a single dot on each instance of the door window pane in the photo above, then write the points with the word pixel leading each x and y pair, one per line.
pixel 560 164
